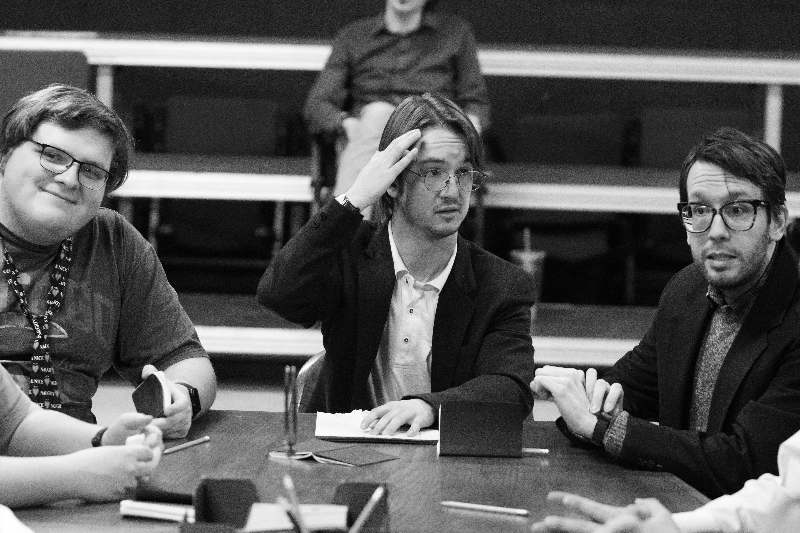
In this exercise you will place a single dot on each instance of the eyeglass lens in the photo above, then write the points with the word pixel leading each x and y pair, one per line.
pixel 738 216
pixel 58 161
pixel 436 179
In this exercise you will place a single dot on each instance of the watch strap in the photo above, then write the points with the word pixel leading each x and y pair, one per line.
pixel 599 433
pixel 349 206
pixel 194 397
pixel 97 440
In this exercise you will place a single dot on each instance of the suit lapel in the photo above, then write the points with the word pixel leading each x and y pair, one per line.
pixel 453 313
pixel 676 372
pixel 753 338
pixel 375 286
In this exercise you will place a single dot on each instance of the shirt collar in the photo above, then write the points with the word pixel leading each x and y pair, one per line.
pixel 17 242
pixel 401 270
pixel 429 18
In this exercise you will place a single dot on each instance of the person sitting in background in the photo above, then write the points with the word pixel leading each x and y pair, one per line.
pixel 719 367
pixel 412 314
pixel 769 504
pixel 47 456
pixel 81 289
pixel 376 62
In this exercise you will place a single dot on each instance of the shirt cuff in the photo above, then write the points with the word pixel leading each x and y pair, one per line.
pixel 697 521
pixel 615 435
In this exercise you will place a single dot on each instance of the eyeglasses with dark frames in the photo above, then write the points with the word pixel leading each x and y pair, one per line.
pixel 739 215
pixel 436 179
pixel 57 161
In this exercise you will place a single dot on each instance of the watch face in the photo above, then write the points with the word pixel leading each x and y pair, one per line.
pixel 194 397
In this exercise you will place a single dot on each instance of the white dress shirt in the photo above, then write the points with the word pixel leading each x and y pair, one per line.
pixel 403 363
pixel 769 504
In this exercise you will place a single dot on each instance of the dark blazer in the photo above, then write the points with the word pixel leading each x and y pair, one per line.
pixel 756 401
pixel 338 270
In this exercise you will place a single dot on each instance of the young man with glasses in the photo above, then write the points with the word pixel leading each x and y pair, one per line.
pixel 719 368
pixel 81 290
pixel 375 62
pixel 412 314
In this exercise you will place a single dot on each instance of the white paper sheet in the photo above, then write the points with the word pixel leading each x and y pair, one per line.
pixel 272 517
pixel 347 427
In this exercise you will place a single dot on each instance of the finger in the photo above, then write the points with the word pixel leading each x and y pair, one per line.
pixel 650 507
pixel 178 393
pixel 550 370
pixel 539 390
pixel 625 523
pixel 405 160
pixel 140 452
pixel 147 370
pixel 398 419
pixel 591 379
pixel 181 419
pixel 562 524
pixel 381 427
pixel 176 432
pixel 369 418
pixel 553 384
pixel 404 142
pixel 153 437
pixel 379 423
pixel 160 423
pixel 134 421
pixel 177 425
pixel 539 527
pixel 557 496
pixel 142 470
pixel 179 408
pixel 597 511
pixel 613 403
pixel 544 526
pixel 413 429
pixel 599 396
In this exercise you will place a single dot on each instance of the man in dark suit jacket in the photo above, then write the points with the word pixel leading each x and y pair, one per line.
pixel 719 368
pixel 412 314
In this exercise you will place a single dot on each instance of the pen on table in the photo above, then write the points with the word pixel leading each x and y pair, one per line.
pixel 287 508
pixel 486 508
pixel 288 484
pixel 535 451
pixel 290 407
pixel 363 516
pixel 187 444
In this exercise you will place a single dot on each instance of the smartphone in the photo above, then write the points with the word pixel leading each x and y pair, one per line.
pixel 152 395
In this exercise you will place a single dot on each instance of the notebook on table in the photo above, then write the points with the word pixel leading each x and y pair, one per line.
pixel 346 427
pixel 326 453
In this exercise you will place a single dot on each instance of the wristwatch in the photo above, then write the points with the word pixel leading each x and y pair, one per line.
pixel 596 440
pixel 97 440
pixel 349 206
pixel 599 433
pixel 194 397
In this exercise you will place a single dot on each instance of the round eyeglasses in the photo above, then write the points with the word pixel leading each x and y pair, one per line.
pixel 436 179
pixel 739 215
pixel 57 161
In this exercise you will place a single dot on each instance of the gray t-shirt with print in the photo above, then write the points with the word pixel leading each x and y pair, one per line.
pixel 119 310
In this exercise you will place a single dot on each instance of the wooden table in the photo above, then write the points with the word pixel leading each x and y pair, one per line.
pixel 417 481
